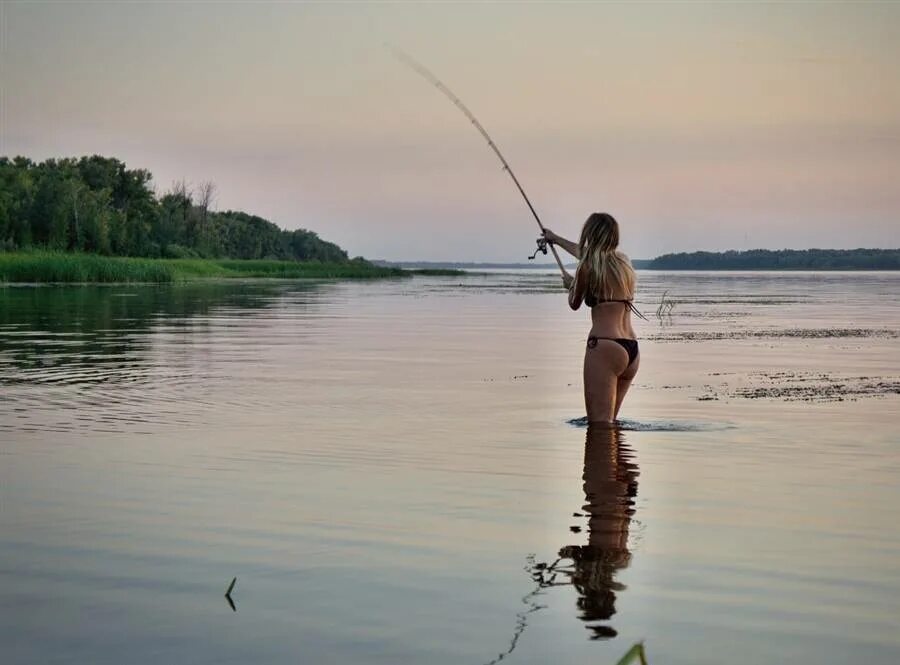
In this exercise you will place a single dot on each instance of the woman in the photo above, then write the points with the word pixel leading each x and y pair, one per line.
pixel 605 282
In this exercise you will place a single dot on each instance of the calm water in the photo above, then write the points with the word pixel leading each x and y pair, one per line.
pixel 389 470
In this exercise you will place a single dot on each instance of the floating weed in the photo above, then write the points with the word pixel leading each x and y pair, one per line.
pixel 777 333
pixel 803 386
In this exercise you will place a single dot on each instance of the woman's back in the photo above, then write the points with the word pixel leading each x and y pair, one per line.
pixel 611 319
pixel 608 283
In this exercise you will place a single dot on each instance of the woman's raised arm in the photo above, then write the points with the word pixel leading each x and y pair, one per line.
pixel 568 245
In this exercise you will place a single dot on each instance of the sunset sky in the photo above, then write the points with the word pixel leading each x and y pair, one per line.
pixel 699 125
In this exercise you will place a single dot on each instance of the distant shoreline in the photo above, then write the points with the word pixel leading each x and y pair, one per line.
pixel 71 267
pixel 754 259
pixel 782 259
pixel 462 265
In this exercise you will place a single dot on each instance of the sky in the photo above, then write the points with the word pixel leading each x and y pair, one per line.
pixel 698 125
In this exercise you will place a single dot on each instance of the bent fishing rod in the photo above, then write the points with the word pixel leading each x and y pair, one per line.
pixel 409 61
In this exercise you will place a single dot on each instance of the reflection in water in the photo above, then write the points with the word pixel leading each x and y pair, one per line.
pixel 610 487
pixel 112 358
pixel 46 329
pixel 532 606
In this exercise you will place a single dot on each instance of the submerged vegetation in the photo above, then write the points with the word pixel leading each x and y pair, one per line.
pixel 784 259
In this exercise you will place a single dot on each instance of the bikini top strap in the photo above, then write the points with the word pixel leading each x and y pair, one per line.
pixel 634 309
pixel 628 303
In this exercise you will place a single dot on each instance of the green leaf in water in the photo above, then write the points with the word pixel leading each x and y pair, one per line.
pixel 635 654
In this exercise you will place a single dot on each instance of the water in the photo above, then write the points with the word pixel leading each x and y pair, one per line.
pixel 390 471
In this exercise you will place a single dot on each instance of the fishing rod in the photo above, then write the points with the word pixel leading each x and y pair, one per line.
pixel 408 60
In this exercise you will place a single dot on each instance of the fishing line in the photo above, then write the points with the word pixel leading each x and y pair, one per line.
pixel 420 69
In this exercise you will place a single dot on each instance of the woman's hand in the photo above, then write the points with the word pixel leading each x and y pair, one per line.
pixel 568 280
pixel 568 245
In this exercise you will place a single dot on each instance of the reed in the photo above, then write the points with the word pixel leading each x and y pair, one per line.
pixel 666 305
pixel 65 267
pixel 356 269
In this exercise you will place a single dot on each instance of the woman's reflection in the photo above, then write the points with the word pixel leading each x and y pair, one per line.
pixel 610 487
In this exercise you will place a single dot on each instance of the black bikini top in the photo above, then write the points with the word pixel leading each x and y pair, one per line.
pixel 590 301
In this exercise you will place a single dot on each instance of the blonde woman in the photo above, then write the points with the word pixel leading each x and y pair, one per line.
pixel 604 281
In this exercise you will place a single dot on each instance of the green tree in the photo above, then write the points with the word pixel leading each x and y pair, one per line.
pixel 97 204
pixel 50 212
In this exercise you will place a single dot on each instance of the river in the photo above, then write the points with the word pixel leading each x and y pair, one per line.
pixel 395 472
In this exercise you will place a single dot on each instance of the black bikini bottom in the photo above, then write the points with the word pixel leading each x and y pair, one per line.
pixel 630 345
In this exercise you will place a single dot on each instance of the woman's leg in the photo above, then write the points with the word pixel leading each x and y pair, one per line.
pixel 624 383
pixel 602 366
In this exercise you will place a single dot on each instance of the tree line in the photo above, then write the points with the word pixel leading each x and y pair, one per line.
pixel 96 204
pixel 783 259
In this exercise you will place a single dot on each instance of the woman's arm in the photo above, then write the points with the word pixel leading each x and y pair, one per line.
pixel 568 245
pixel 576 287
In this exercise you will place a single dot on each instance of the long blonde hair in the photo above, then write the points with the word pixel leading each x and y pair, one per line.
pixel 609 272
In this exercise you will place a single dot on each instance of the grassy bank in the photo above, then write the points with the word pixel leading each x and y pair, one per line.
pixel 69 267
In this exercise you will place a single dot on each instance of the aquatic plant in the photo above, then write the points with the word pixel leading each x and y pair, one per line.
pixel 634 654
pixel 66 267
pixel 666 305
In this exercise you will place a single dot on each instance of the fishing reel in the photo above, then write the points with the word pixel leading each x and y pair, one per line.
pixel 541 248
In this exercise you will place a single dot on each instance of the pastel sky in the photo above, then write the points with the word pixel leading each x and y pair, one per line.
pixel 699 125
